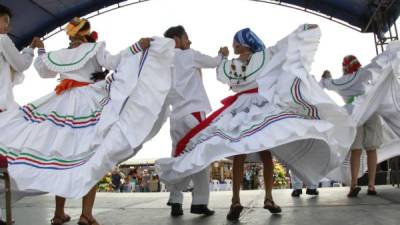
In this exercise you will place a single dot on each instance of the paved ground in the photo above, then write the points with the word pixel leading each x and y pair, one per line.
pixel 332 207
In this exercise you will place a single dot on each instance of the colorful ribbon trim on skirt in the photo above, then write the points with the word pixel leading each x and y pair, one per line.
pixel 205 123
pixel 43 162
pixel 68 84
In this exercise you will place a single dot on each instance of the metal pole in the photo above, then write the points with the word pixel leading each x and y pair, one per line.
pixel 376 44
pixel 8 199
pixel 7 191
pixel 395 29
pixel 390 30
pixel 396 161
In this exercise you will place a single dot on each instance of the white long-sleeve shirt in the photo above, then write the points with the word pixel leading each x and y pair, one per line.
pixel 12 64
pixel 188 94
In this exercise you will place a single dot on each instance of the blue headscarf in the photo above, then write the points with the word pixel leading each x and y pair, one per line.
pixel 249 39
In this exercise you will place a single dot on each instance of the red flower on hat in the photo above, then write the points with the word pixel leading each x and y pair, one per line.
pixel 350 64
pixel 94 35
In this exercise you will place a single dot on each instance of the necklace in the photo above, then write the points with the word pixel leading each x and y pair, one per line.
pixel 228 71
pixel 234 74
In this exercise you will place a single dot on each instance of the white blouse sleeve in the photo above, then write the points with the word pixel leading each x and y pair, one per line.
pixel 204 61
pixel 110 61
pixel 221 73
pixel 18 61
pixel 345 82
pixel 41 67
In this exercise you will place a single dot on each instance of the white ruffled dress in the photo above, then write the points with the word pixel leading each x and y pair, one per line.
pixel 290 115
pixel 63 144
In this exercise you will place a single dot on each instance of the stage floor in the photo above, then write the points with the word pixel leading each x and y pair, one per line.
pixel 331 207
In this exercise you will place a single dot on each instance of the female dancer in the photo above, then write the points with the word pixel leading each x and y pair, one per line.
pixel 369 135
pixel 57 143
pixel 278 109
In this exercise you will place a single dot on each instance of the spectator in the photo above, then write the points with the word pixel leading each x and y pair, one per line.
pixel 153 184
pixel 116 177
pixel 145 181
pixel 127 185
pixel 247 179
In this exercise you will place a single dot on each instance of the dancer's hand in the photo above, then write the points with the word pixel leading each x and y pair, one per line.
pixel 145 43
pixel 326 75
pixel 224 51
pixel 36 43
pixel 39 43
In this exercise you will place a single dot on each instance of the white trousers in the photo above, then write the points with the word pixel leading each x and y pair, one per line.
pixel 297 183
pixel 201 189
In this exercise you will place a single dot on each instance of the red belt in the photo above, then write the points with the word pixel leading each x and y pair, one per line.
pixel 68 84
pixel 226 102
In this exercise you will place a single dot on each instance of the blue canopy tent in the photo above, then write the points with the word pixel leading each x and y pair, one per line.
pixel 40 17
pixel 361 14
pixel 367 16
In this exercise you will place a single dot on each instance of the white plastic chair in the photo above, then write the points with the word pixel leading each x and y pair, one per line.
pixel 228 183
pixel 215 185
pixel 163 188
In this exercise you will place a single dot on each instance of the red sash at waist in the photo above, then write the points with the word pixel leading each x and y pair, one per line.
pixel 68 84
pixel 226 103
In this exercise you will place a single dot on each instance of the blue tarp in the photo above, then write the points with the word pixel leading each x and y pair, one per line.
pixel 39 17
pixel 357 13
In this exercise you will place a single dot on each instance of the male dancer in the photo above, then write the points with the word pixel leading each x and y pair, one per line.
pixel 189 106
pixel 12 64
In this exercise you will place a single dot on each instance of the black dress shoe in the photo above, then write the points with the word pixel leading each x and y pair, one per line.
pixel 297 192
pixel 312 191
pixel 2 222
pixel 176 209
pixel 201 209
